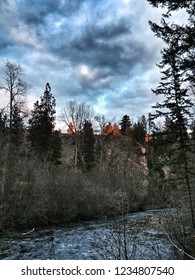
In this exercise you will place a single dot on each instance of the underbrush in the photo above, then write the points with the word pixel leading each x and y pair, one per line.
pixel 38 194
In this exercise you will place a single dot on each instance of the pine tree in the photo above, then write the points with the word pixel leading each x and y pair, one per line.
pixel 56 148
pixel 177 75
pixel 186 33
pixel 125 124
pixel 3 126
pixel 193 129
pixel 87 146
pixel 3 140
pixel 171 4
pixel 11 140
pixel 139 130
pixel 17 131
pixel 41 125
pixel 176 107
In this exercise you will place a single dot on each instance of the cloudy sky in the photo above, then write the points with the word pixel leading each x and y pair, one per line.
pixel 101 52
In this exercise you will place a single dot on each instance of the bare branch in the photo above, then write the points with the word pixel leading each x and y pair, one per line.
pixel 14 86
pixel 77 114
pixel 181 250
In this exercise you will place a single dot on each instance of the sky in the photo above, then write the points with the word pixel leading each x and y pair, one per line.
pixel 100 52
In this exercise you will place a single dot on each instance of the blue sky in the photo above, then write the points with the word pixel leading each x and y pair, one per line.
pixel 101 52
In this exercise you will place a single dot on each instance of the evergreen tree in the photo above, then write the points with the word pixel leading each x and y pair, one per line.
pixel 171 4
pixel 41 126
pixel 10 150
pixel 185 33
pixel 176 107
pixel 170 132
pixel 3 141
pixel 56 147
pixel 17 131
pixel 3 126
pixel 87 146
pixel 193 129
pixel 139 130
pixel 177 75
pixel 125 124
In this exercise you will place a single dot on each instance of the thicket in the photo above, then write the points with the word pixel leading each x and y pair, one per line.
pixel 39 193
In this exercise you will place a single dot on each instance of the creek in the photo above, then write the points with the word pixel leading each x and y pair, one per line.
pixel 136 236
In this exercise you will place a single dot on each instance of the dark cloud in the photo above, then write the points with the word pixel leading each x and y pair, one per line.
pixel 36 12
pixel 106 46
pixel 100 52
pixel 4 4
pixel 4 43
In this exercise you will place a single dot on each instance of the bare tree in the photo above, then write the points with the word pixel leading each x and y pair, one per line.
pixel 76 114
pixel 17 89
pixel 14 86
pixel 102 120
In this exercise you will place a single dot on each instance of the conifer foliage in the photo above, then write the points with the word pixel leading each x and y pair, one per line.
pixel 17 130
pixel 177 82
pixel 140 130
pixel 125 124
pixel 87 146
pixel 41 128
pixel 3 125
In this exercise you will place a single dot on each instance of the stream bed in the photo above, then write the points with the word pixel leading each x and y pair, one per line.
pixel 133 236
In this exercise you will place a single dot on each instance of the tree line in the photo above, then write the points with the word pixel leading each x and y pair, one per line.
pixel 46 142
pixel 39 131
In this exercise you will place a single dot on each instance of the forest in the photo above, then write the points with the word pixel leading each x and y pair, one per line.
pixel 48 177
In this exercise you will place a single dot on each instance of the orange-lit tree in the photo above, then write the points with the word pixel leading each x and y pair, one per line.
pixel 70 129
pixel 116 130
pixel 108 130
